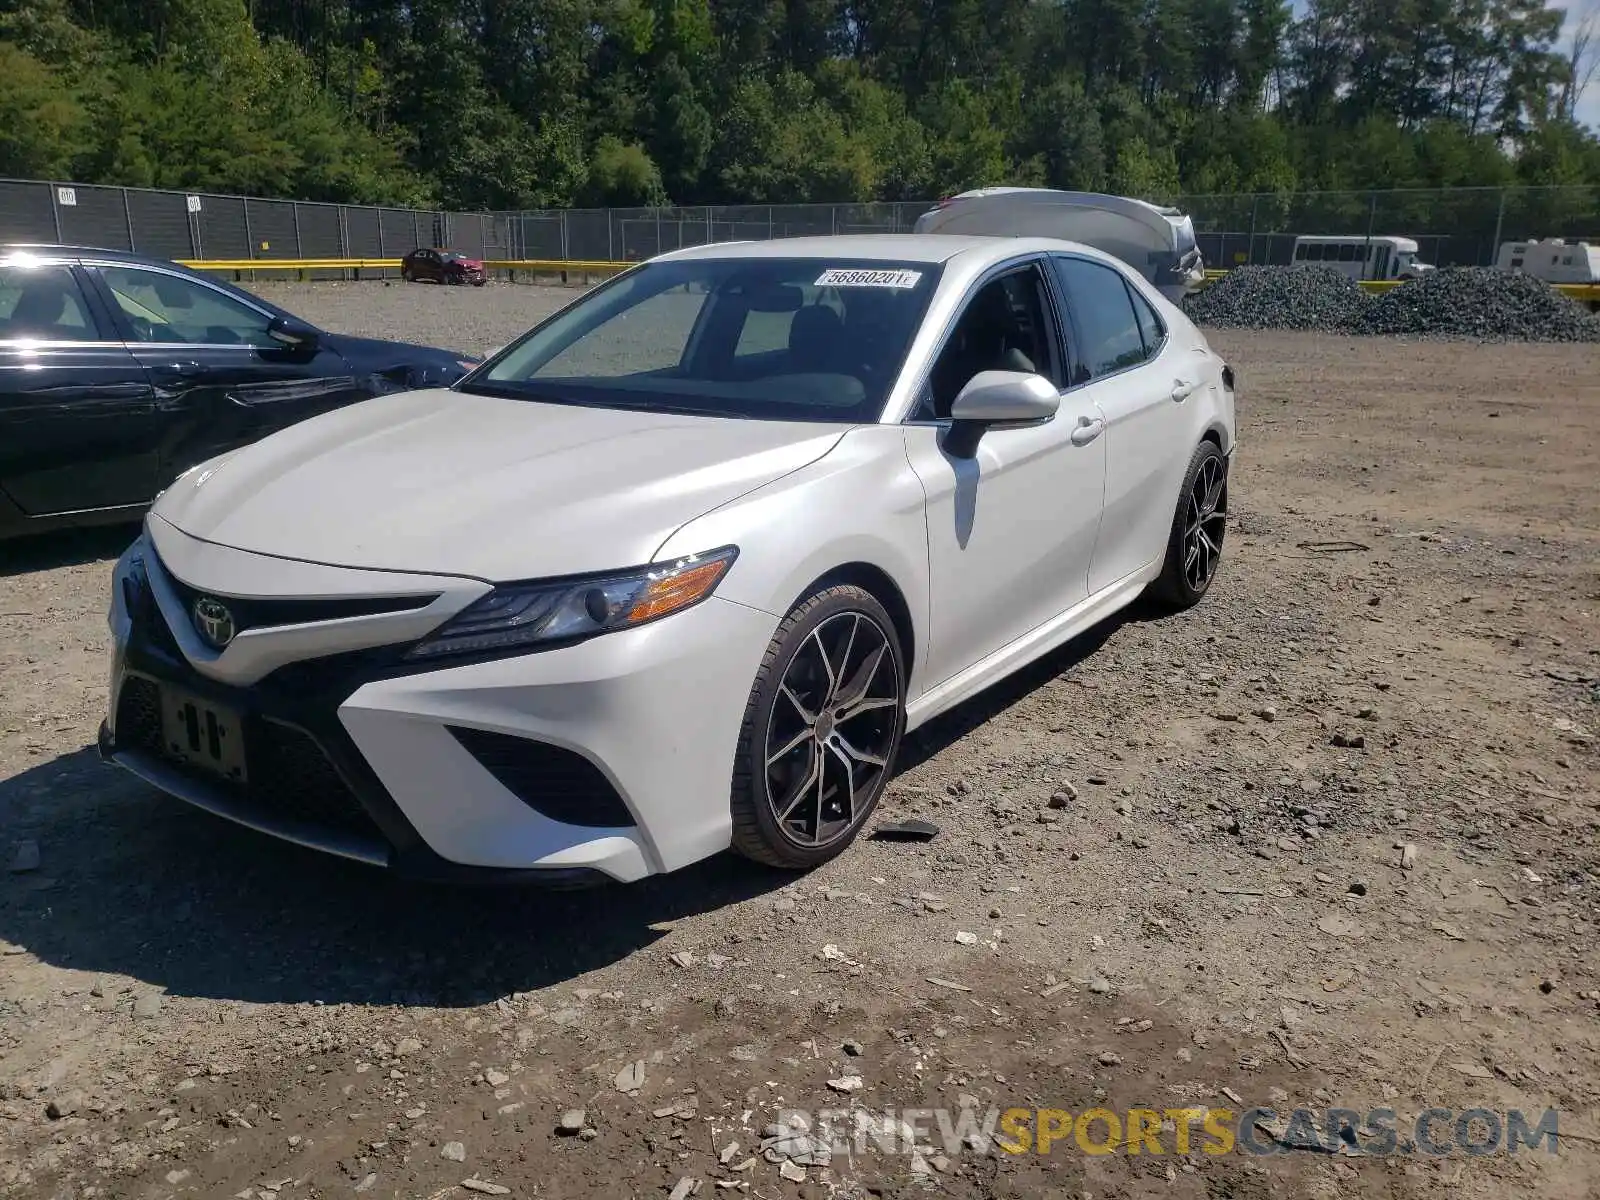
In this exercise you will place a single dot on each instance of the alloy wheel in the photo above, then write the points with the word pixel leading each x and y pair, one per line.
pixel 1206 522
pixel 832 729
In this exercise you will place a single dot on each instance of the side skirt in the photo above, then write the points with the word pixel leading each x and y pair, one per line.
pixel 1034 644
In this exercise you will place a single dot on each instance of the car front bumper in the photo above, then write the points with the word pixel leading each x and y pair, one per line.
pixel 608 759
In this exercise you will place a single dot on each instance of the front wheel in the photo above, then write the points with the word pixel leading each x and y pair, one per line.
pixel 821 730
pixel 1194 547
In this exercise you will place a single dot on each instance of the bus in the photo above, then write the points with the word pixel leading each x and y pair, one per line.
pixel 1362 257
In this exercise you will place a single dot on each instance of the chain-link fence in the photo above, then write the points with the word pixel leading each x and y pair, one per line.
pixel 202 226
pixel 1454 227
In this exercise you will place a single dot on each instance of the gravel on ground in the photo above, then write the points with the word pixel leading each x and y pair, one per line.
pixel 1328 840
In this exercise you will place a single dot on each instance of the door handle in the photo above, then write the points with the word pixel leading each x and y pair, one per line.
pixel 1181 389
pixel 1088 429
pixel 183 370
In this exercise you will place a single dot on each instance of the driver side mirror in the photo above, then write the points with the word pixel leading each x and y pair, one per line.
pixel 293 334
pixel 998 400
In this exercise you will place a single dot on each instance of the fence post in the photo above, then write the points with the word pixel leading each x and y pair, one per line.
pixel 299 252
pixel 249 238
pixel 1250 254
pixel 769 222
pixel 1499 224
pixel 611 246
pixel 55 212
pixel 127 216
pixel 1372 219
pixel 566 237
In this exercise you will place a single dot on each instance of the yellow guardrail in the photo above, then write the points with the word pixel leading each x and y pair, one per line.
pixel 530 266
pixel 587 268
pixel 1587 292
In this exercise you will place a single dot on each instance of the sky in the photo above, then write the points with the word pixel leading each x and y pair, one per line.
pixel 1589 106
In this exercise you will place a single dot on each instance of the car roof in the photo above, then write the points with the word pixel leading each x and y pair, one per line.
pixel 880 247
pixel 7 248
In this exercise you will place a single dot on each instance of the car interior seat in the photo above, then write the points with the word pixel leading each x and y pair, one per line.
pixel 41 310
pixel 816 335
pixel 988 337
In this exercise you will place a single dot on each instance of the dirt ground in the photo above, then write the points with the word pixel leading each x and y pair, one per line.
pixel 1400 661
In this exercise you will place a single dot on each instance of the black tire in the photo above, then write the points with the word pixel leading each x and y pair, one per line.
pixel 406 276
pixel 758 831
pixel 1185 579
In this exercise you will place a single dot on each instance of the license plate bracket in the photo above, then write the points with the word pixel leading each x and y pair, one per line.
pixel 202 734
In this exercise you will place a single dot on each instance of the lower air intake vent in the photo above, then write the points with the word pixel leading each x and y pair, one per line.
pixel 561 784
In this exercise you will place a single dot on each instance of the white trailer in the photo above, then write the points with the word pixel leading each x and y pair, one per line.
pixel 1157 242
pixel 1552 260
pixel 1359 257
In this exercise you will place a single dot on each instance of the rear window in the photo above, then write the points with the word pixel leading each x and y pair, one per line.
pixel 807 339
pixel 43 303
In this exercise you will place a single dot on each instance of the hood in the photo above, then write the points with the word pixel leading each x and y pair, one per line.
pixel 443 482
pixel 382 350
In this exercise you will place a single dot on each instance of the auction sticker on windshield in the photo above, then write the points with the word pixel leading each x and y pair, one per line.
pixel 841 277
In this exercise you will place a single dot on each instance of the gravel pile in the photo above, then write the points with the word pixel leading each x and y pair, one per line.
pixel 1481 303
pixel 1301 297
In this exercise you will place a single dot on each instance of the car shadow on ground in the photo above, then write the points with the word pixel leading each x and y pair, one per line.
pixel 132 883
pixel 65 548
pixel 950 727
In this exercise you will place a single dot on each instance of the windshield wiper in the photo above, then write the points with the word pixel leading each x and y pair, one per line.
pixel 511 391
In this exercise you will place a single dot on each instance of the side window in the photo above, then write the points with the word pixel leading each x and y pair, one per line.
pixel 1108 329
pixel 169 308
pixel 43 304
pixel 1151 327
pixel 1006 326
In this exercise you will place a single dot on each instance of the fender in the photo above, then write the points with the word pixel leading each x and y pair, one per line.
pixel 874 512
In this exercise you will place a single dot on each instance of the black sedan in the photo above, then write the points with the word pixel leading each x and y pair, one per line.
pixel 117 373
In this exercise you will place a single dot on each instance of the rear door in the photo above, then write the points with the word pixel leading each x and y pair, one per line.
pixel 1125 366
pixel 213 364
pixel 80 428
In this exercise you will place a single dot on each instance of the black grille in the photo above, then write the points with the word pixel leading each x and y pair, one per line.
pixel 253 613
pixel 146 615
pixel 288 775
pixel 563 785
pixel 139 716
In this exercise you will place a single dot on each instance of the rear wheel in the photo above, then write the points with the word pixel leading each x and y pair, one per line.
pixel 1194 547
pixel 820 732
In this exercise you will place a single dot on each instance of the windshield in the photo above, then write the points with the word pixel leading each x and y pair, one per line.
pixel 795 339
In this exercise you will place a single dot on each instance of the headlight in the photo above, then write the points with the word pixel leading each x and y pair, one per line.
pixel 525 614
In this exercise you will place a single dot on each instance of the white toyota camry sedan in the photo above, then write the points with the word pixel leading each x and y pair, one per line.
pixel 677 569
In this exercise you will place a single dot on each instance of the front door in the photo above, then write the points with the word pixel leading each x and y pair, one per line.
pixel 79 424
pixel 1011 531
pixel 209 356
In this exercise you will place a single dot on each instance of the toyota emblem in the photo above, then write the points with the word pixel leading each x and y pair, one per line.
pixel 213 622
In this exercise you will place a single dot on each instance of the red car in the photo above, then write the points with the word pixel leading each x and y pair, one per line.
pixel 442 266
